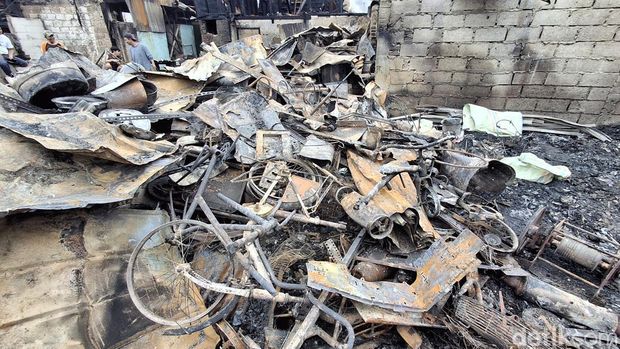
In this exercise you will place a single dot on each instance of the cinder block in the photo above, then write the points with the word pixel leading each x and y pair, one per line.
pixel 552 64
pixel 607 49
pixel 588 119
pixel 559 34
pixel 446 90
pixel 466 5
pixel 557 105
pixel 490 34
pixel 579 49
pixel 405 7
pixel 521 104
pixel 421 64
pixel 596 33
pixel 485 65
pixel 479 50
pixel 480 20
pixel 591 66
pixel 539 50
pixel 417 21
pixel 496 79
pixel 427 35
pixel 614 17
pixel 605 3
pixel 573 3
pixel 588 17
pixel 504 50
pixel 502 5
pixel 534 4
pixel 587 107
pixel 492 103
pixel 536 91
pixel 518 64
pixel 515 18
pixel 562 79
pixel 435 6
pixel 443 49
pixel 459 102
pixel 448 21
pixel 458 35
pixel 413 50
pixel 433 100
pixel 506 91
pixel 537 78
pixel 524 34
pixel 598 93
pixel 397 63
pixel 438 77
pixel 418 90
pixel 599 79
pixel 465 78
pixel 550 17
pixel 453 64
pixel 571 92
pixel 476 91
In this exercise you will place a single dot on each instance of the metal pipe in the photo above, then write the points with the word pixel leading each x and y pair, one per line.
pixel 565 304
pixel 228 244
pixel 201 188
pixel 327 310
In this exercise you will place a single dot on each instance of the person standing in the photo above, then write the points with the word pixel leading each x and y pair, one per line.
pixel 7 54
pixel 139 53
pixel 50 42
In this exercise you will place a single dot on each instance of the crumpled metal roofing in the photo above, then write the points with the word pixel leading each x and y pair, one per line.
pixel 84 133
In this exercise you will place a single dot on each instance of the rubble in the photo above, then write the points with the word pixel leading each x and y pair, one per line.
pixel 288 185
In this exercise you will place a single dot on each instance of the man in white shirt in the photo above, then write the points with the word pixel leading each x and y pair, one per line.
pixel 7 54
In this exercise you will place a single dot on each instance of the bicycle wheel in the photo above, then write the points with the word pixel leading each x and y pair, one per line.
pixel 155 277
pixel 498 236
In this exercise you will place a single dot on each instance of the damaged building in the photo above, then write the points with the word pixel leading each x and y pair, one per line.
pixel 310 174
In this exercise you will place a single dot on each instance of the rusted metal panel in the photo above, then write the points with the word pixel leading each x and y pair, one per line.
pixel 86 134
pixel 74 294
pixel 147 15
pixel 442 265
pixel 375 315
pixel 155 15
pixel 66 181
pixel 130 95
pixel 139 15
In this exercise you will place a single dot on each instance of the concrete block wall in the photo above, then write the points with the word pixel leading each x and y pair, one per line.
pixel 90 37
pixel 559 59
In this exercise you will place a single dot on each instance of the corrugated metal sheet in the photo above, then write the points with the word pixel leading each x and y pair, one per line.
pixel 157 43
pixel 138 12
pixel 147 15
pixel 155 15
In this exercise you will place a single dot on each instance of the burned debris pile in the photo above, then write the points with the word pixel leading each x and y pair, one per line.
pixel 300 211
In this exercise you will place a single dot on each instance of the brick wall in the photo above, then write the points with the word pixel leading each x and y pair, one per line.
pixel 90 37
pixel 559 59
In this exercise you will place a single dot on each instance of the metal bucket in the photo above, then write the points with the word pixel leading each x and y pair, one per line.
pixel 476 175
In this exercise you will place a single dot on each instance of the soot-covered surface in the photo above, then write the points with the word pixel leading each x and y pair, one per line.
pixel 589 199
